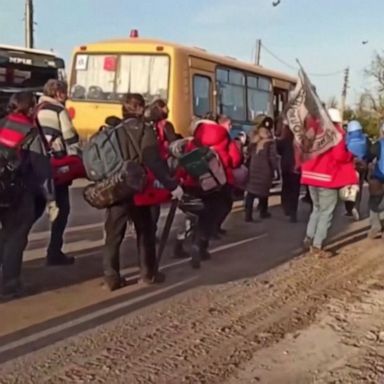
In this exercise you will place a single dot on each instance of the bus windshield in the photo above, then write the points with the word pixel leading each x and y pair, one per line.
pixel 108 77
pixel 27 69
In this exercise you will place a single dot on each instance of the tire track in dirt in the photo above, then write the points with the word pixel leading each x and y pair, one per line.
pixel 201 337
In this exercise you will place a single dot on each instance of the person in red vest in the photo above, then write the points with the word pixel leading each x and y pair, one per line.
pixel 24 190
pixel 325 175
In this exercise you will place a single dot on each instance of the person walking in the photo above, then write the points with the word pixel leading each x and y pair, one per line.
pixel 157 114
pixel 376 187
pixel 63 140
pixel 325 175
pixel 359 145
pixel 25 184
pixel 262 166
pixel 290 173
pixel 143 139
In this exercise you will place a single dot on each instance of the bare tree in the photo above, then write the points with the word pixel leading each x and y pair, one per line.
pixel 376 71
pixel 332 102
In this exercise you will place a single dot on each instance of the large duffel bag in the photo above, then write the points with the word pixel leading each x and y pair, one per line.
pixel 115 189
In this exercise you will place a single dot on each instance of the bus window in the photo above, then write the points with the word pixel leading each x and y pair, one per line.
pixel 93 81
pixel 231 100
pixel 110 77
pixel 145 74
pixel 258 95
pixel 201 95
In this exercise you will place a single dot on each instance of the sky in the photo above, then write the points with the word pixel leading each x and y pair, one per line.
pixel 325 35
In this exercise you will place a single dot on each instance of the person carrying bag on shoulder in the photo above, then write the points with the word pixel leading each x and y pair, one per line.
pixel 138 143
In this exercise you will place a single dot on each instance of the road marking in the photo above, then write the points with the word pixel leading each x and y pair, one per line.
pixel 91 316
pixel 36 236
pixel 216 250
pixel 101 312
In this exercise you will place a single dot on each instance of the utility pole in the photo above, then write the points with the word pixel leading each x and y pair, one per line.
pixel 344 92
pixel 257 51
pixel 29 41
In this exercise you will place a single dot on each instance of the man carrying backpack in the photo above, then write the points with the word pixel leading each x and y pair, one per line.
pixel 136 135
pixel 376 187
pixel 359 145
pixel 63 140
pixel 24 182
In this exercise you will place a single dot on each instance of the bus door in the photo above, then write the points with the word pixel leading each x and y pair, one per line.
pixel 280 97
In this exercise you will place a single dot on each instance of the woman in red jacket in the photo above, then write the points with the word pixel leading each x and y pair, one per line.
pixel 325 175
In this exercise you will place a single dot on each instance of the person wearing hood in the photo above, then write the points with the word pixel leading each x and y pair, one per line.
pixel 208 133
pixel 325 175
pixel 263 162
pixel 376 187
pixel 358 144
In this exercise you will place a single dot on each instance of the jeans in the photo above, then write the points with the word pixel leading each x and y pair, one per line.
pixel 59 225
pixel 374 212
pixel 115 226
pixel 324 204
pixel 16 224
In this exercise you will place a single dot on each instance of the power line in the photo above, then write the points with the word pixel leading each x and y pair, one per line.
pixel 296 68
pixel 278 58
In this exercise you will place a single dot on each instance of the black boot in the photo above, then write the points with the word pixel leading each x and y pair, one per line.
pixel 203 248
pixel 11 289
pixel 178 251
pixel 59 259
pixel 195 257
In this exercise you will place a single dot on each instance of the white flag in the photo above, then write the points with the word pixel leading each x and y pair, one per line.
pixel 309 121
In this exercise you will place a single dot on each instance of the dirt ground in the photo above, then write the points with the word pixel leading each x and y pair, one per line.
pixel 306 321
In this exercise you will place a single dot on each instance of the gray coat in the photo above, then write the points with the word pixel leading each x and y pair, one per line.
pixel 262 165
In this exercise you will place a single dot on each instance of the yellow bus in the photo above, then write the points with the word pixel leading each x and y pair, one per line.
pixel 193 81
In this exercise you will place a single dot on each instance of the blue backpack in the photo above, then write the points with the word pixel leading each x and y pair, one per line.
pixel 357 144
pixel 378 173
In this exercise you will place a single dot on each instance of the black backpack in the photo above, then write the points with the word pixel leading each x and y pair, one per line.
pixel 12 161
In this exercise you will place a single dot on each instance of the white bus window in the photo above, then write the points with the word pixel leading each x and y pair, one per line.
pixel 144 74
pixel 96 79
pixel 201 95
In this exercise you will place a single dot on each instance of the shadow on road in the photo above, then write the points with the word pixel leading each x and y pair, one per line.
pixel 248 250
